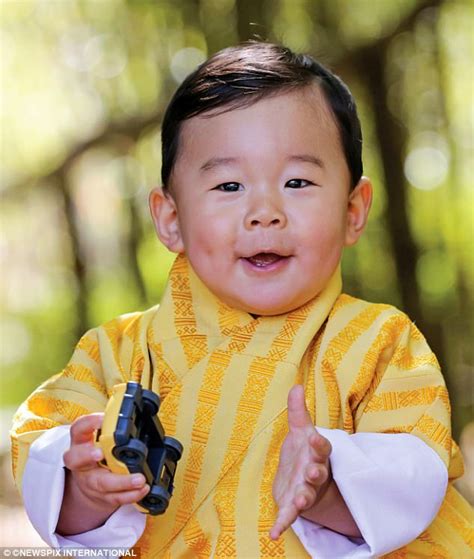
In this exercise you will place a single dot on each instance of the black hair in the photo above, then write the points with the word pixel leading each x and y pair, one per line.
pixel 240 76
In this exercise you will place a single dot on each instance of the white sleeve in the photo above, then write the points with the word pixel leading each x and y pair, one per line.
pixel 43 488
pixel 393 484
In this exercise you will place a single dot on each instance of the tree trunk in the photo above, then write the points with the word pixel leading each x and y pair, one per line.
pixel 79 267
pixel 392 139
pixel 133 243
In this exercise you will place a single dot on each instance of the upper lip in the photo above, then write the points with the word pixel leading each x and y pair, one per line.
pixel 255 252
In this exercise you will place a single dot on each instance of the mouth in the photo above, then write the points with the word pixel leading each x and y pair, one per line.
pixel 265 260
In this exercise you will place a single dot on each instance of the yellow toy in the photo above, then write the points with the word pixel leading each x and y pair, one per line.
pixel 133 440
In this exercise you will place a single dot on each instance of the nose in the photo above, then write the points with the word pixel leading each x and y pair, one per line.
pixel 265 210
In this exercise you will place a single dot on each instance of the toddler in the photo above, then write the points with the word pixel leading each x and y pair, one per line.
pixel 252 346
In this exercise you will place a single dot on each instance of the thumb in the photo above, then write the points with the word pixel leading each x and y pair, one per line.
pixel 298 414
pixel 82 430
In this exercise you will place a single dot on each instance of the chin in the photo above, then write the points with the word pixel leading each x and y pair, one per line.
pixel 269 309
pixel 273 305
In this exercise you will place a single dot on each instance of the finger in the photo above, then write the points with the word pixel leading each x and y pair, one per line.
pixel 320 445
pixel 82 457
pixel 316 475
pixel 126 497
pixel 305 497
pixel 104 481
pixel 82 430
pixel 286 516
pixel 298 415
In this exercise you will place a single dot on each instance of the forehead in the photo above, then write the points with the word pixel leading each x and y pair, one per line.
pixel 280 124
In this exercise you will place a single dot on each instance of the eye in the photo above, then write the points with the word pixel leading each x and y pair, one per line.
pixel 298 183
pixel 229 187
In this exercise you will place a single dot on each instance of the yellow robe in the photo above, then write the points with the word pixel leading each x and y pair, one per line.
pixel 224 376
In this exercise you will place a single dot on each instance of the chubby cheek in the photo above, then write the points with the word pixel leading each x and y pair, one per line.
pixel 205 237
pixel 323 250
pixel 325 230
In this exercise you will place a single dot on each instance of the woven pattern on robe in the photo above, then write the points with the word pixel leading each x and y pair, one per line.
pixel 224 376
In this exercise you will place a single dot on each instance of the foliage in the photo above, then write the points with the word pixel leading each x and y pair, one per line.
pixel 84 86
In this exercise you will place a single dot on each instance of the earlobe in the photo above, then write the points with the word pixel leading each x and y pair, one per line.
pixel 360 200
pixel 165 217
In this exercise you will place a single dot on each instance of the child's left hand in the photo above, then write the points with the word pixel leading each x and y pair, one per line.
pixel 304 472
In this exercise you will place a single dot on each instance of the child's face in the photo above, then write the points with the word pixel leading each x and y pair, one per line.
pixel 260 202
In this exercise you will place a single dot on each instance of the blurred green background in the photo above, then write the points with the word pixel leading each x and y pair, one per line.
pixel 84 87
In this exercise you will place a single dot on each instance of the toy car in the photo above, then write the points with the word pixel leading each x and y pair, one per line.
pixel 133 440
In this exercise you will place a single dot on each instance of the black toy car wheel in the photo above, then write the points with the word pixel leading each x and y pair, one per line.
pixel 174 447
pixel 157 500
pixel 151 402
pixel 132 454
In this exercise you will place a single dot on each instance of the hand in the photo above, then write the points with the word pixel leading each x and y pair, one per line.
pixel 303 473
pixel 97 487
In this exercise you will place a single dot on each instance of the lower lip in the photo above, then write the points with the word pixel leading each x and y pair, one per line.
pixel 267 268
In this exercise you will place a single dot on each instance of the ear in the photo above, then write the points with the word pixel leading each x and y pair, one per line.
pixel 165 217
pixel 360 200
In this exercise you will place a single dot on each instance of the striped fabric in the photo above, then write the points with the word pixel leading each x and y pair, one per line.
pixel 224 376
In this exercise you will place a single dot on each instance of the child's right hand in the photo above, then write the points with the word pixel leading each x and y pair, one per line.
pixel 90 486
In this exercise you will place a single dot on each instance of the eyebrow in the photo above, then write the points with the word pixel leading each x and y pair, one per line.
pixel 217 162
pixel 223 161
pixel 307 158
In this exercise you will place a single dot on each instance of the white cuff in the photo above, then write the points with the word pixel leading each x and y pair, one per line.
pixel 393 484
pixel 43 488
